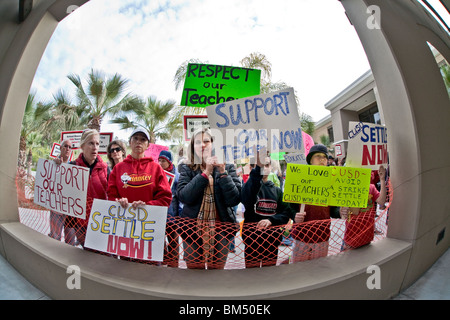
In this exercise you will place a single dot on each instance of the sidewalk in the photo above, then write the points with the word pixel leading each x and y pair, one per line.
pixel 433 285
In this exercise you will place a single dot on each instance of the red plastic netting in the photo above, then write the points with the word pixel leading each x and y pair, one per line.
pixel 191 243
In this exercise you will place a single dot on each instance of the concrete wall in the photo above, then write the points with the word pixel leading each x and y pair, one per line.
pixel 407 81
pixel 416 110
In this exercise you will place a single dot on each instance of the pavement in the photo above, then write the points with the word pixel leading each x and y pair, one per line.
pixel 433 285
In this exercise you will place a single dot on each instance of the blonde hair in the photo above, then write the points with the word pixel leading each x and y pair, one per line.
pixel 87 135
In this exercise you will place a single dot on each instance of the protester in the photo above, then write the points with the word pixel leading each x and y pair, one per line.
pixel 209 190
pixel 138 180
pixel 171 250
pixel 264 209
pixel 312 229
pixel 57 219
pixel 116 152
pixel 98 179
pixel 360 222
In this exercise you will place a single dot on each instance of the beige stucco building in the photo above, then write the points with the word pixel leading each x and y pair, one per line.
pixel 359 101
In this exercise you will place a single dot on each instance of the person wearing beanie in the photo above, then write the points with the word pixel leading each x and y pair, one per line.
pixel 311 231
pixel 320 152
pixel 171 250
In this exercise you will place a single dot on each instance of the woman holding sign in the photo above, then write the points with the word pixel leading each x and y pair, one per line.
pixel 139 180
pixel 360 223
pixel 312 229
pixel 98 179
pixel 209 190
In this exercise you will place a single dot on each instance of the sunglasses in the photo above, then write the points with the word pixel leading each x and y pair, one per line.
pixel 115 150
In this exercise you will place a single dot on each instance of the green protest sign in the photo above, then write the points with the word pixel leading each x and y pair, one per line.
pixel 327 186
pixel 207 84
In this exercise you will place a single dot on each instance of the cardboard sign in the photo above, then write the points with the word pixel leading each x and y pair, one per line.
pixel 269 120
pixel 75 136
pixel 193 122
pixel 367 145
pixel 133 233
pixel 308 141
pixel 154 151
pixel 170 177
pixel 327 186
pixel 298 158
pixel 207 84
pixel 56 151
pixel 61 188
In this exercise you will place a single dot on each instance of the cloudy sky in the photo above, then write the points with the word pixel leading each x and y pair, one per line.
pixel 310 43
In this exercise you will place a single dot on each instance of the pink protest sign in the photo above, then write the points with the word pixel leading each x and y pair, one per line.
pixel 308 141
pixel 154 150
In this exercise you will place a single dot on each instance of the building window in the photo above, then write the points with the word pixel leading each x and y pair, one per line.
pixel 330 134
pixel 371 115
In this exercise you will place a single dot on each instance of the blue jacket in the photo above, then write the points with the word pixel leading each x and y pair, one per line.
pixel 175 206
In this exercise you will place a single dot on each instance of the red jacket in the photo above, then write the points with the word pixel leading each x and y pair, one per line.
pixel 139 179
pixel 98 182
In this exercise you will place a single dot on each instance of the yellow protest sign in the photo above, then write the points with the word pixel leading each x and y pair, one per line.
pixel 307 184
pixel 350 187
pixel 327 186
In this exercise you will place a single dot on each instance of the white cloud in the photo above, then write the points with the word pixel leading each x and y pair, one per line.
pixel 310 44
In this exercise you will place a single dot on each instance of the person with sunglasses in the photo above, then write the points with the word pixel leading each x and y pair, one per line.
pixel 117 152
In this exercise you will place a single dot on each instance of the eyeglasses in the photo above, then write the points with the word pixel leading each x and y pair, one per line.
pixel 115 150
pixel 68 146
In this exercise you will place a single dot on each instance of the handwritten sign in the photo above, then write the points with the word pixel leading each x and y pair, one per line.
pixel 134 233
pixel 56 151
pixel 61 188
pixel 298 158
pixel 367 145
pixel 170 177
pixel 154 151
pixel 327 186
pixel 269 120
pixel 208 84
pixel 75 136
pixel 192 123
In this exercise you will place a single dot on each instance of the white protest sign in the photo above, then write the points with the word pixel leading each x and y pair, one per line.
pixel 56 150
pixel 192 123
pixel 298 158
pixel 75 136
pixel 269 120
pixel 367 145
pixel 61 188
pixel 134 233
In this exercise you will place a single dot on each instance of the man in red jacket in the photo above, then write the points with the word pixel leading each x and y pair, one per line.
pixel 139 180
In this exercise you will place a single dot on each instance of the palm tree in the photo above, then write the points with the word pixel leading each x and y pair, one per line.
pixel 31 127
pixel 445 71
pixel 102 96
pixel 60 115
pixel 154 116
pixel 307 123
pixel 259 61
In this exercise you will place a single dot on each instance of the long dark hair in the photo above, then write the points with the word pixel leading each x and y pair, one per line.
pixel 193 161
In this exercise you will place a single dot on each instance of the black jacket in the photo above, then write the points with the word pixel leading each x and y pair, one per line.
pixel 264 200
pixel 227 191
